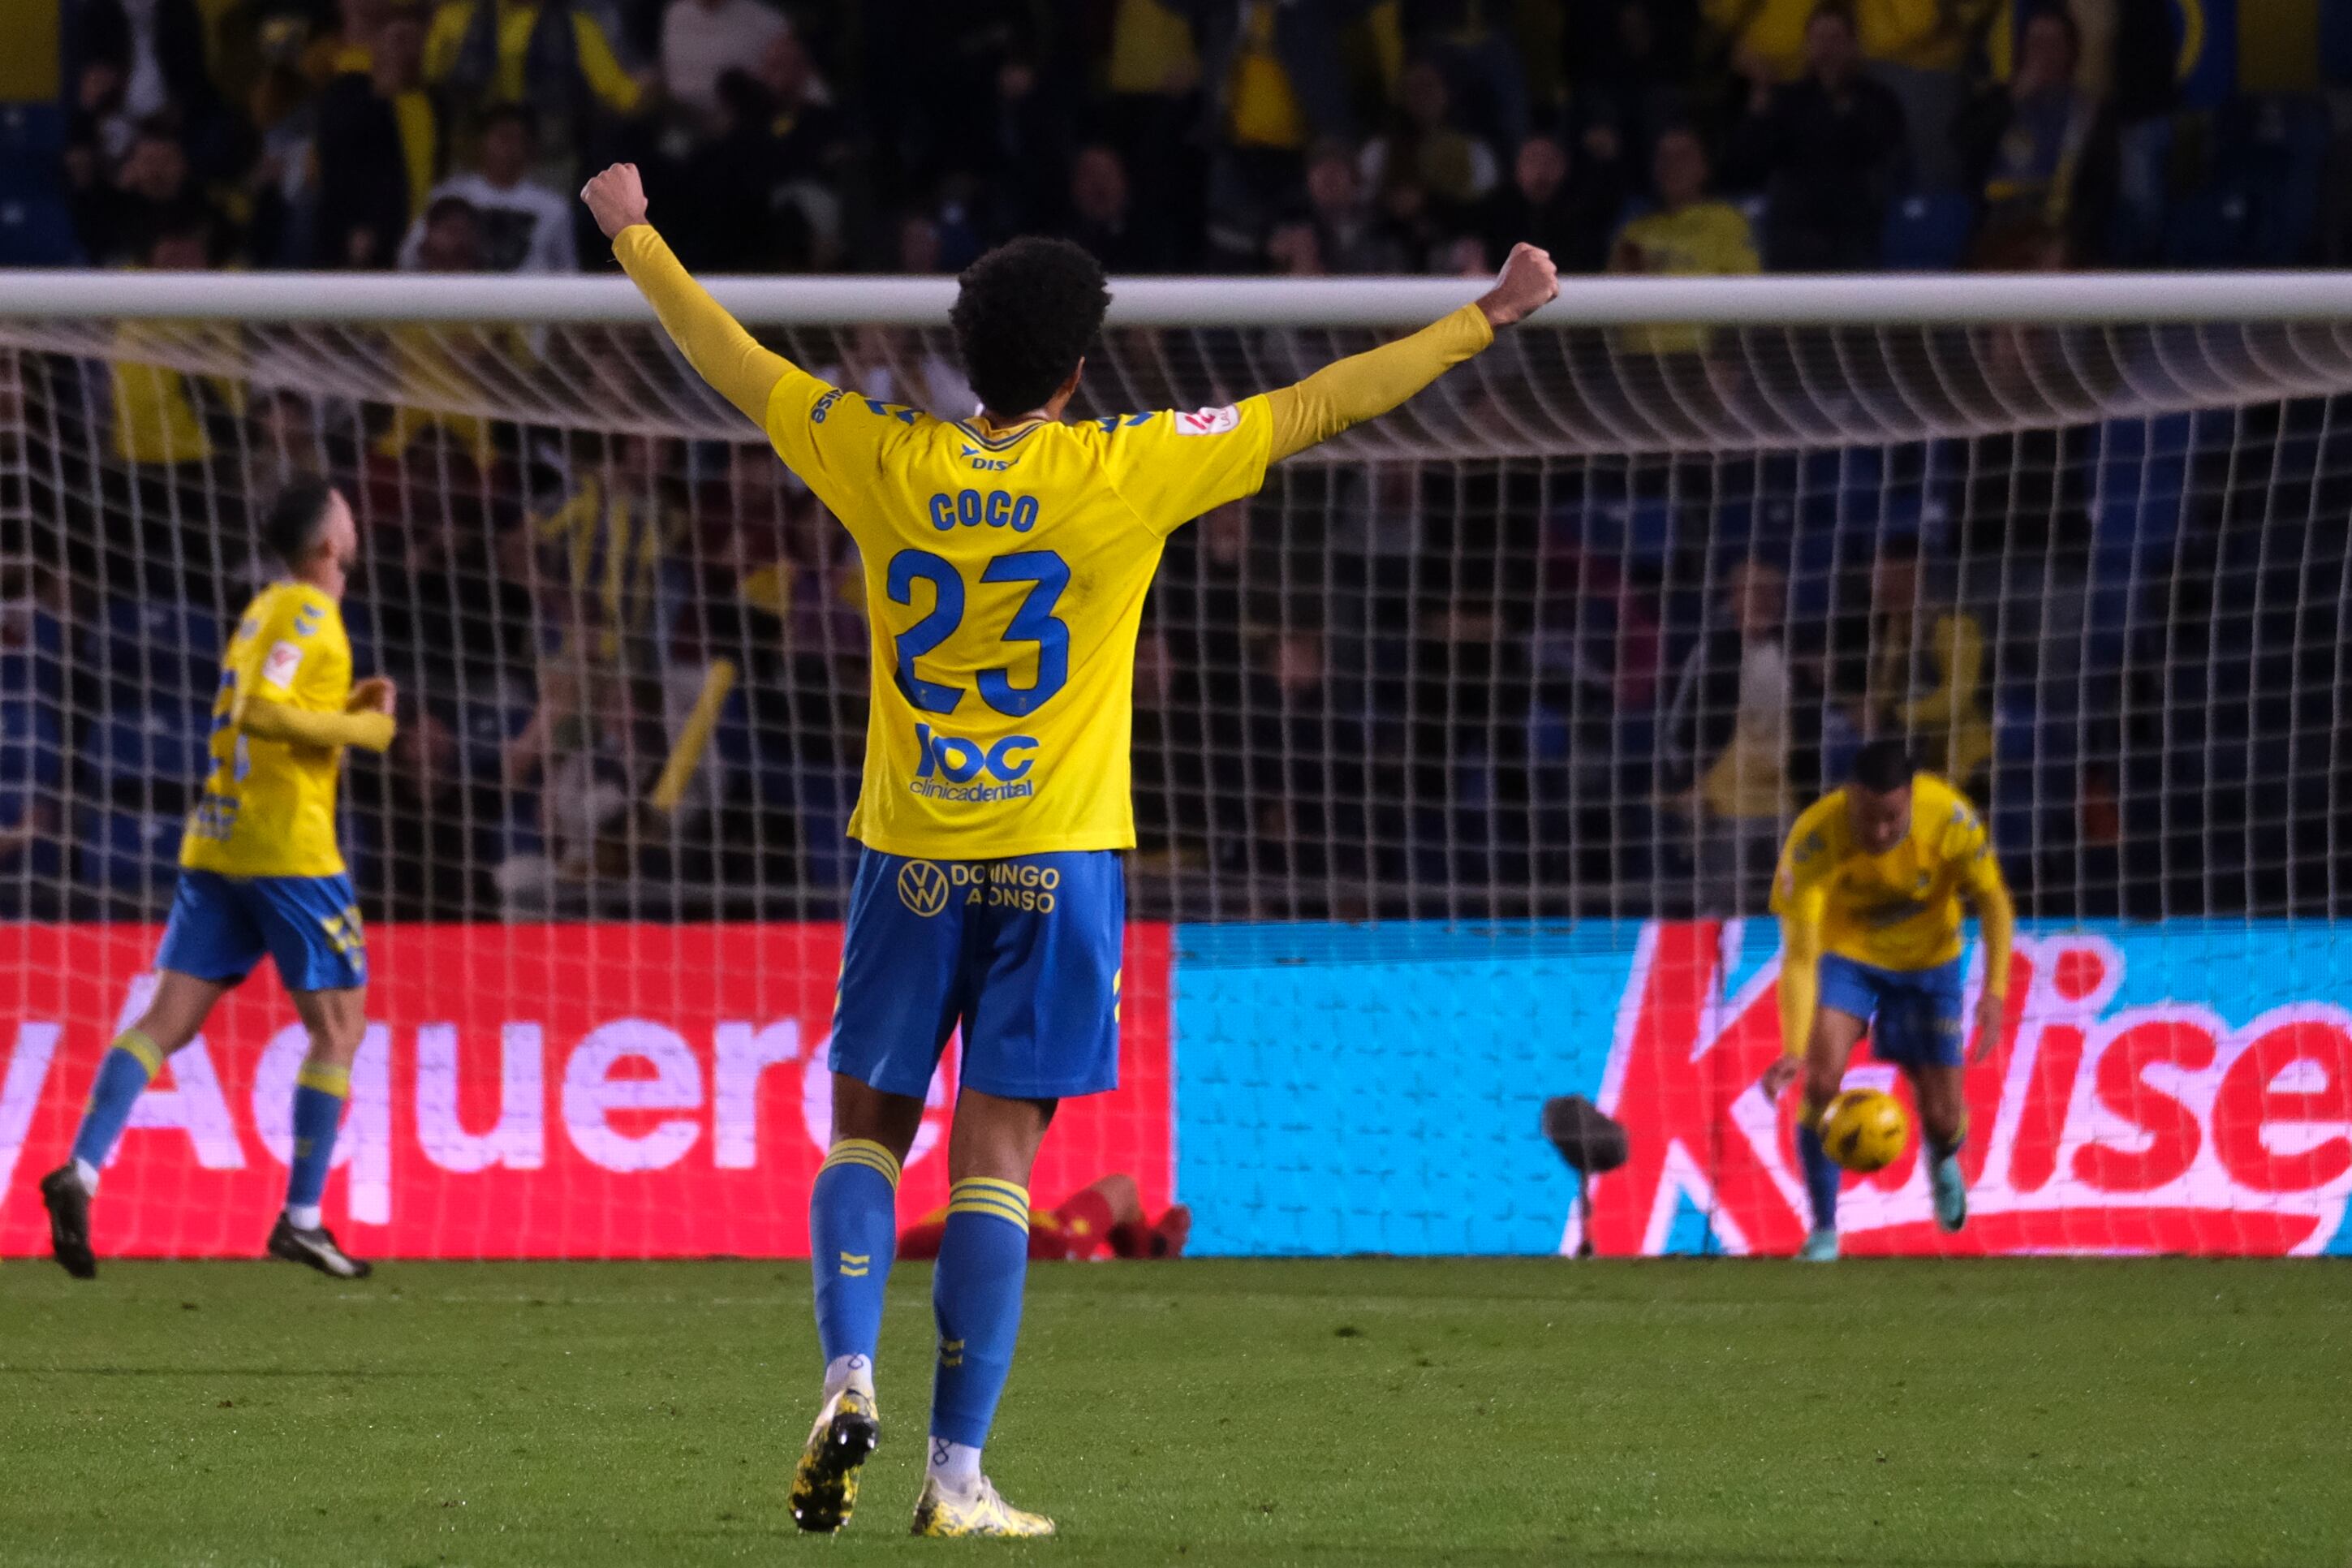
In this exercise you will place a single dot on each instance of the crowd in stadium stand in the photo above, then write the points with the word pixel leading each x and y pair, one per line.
pixel 1379 689
pixel 1306 137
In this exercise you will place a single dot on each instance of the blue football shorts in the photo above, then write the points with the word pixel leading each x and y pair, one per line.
pixel 1023 954
pixel 1914 1013
pixel 220 927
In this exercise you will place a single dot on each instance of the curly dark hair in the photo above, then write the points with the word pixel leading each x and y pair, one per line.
pixel 1025 313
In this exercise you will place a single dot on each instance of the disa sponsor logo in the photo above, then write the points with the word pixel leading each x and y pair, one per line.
pixel 2163 1128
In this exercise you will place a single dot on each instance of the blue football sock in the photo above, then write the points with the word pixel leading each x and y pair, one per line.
pixel 853 1235
pixel 320 1093
pixel 976 1293
pixel 1821 1176
pixel 129 1064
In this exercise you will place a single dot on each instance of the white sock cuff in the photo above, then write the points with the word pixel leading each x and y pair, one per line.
pixel 302 1216
pixel 954 1465
pixel 853 1370
pixel 87 1174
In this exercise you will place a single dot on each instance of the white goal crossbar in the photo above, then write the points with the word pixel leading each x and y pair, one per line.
pixel 2072 300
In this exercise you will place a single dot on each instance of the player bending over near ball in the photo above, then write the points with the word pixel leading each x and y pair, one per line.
pixel 1006 558
pixel 1868 892
pixel 260 871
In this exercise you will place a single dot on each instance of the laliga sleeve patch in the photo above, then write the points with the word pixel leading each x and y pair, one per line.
pixel 280 668
pixel 1209 421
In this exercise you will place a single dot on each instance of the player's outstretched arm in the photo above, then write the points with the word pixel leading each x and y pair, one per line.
pixel 265 720
pixel 713 341
pixel 1364 386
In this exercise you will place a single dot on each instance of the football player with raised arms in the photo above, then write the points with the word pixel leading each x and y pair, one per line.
pixel 1006 556
pixel 260 872
pixel 1869 893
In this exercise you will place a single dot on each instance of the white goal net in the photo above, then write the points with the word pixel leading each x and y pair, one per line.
pixel 1463 752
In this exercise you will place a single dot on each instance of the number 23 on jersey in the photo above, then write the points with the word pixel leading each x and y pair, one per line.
pixel 1033 622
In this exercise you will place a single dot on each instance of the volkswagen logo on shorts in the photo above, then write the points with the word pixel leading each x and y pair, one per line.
pixel 922 887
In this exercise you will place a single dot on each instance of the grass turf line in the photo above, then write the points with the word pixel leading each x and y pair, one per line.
pixel 1472 1412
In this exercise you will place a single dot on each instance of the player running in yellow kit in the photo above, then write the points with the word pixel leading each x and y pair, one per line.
pixel 1006 558
pixel 260 872
pixel 1868 892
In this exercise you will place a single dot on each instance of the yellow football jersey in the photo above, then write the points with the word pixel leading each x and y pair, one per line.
pixel 1900 909
pixel 268 806
pixel 1005 573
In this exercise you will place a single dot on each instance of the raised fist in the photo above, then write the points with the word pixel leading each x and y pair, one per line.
pixel 1529 282
pixel 616 197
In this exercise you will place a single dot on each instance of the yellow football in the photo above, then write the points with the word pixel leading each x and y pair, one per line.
pixel 1865 1130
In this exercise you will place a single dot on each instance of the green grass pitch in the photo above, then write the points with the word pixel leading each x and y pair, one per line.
pixel 1649 1415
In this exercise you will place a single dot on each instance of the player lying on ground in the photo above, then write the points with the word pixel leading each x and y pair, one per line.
pixel 1868 892
pixel 1006 558
pixel 1105 1213
pixel 260 871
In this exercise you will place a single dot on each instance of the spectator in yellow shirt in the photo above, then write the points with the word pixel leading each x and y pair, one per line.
pixel 1689 235
pixel 1925 674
